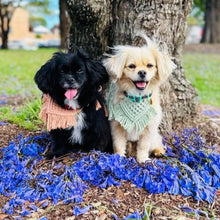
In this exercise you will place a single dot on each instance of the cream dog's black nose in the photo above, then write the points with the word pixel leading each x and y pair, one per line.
pixel 142 74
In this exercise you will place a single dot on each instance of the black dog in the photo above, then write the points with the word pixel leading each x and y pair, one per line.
pixel 74 80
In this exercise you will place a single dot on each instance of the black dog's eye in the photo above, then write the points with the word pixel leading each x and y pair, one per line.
pixel 132 66
pixel 149 65
pixel 64 69
pixel 79 70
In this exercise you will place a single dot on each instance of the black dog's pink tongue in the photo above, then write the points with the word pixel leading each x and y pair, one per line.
pixel 70 93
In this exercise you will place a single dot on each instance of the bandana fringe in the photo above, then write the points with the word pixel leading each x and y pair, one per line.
pixel 56 117
pixel 130 114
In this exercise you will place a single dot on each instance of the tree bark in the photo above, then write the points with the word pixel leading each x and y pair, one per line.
pixel 4 40
pixel 6 12
pixel 211 32
pixel 64 23
pixel 98 24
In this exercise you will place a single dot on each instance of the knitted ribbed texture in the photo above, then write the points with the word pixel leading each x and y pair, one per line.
pixel 130 114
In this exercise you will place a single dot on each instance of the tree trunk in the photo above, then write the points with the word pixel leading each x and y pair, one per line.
pixel 6 12
pixel 4 36
pixel 98 24
pixel 211 32
pixel 64 23
pixel 4 30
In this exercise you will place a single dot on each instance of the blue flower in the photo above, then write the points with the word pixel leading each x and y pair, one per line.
pixel 115 217
pixel 196 212
pixel 190 171
pixel 79 211
pixel 136 215
pixel 3 102
pixel 3 123
pixel 109 181
pixel 45 204
pixel 25 212
pixel 175 188
pixel 43 218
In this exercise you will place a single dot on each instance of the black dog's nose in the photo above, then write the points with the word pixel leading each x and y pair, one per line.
pixel 142 74
pixel 71 80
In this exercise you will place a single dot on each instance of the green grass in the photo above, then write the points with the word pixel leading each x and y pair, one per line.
pixel 203 71
pixel 25 116
pixel 17 70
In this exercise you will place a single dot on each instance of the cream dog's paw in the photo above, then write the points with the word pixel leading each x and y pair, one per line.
pixel 159 151
pixel 142 157
pixel 119 151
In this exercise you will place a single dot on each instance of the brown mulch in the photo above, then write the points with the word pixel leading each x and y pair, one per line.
pixel 127 198
pixel 12 100
pixel 202 48
pixel 10 131
pixel 208 126
pixel 124 200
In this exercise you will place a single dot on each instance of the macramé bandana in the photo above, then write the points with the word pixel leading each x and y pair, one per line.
pixel 56 117
pixel 130 114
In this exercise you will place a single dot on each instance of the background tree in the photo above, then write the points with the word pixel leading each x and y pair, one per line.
pixel 199 7
pixel 197 14
pixel 64 23
pixel 36 9
pixel 35 21
pixel 38 6
pixel 211 31
pixel 7 8
pixel 97 24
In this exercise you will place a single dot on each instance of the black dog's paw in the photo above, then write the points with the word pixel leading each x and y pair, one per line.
pixel 51 155
pixel 56 154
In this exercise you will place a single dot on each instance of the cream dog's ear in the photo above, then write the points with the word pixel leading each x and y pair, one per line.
pixel 165 65
pixel 115 63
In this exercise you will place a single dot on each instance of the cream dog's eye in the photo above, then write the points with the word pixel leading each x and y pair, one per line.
pixel 149 65
pixel 132 66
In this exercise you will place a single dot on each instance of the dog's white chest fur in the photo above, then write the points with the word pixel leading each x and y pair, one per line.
pixel 76 136
pixel 72 103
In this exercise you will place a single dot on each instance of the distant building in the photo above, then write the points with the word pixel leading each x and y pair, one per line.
pixel 41 30
pixel 19 25
pixel 194 34
pixel 21 33
pixel 56 29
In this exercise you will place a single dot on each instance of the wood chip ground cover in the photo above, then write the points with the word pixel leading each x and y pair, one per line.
pixel 120 201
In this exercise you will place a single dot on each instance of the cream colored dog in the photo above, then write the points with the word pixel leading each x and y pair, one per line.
pixel 137 73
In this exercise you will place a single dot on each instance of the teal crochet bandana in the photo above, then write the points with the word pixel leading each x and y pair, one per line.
pixel 130 114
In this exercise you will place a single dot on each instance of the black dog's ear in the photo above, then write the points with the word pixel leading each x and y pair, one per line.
pixel 43 77
pixel 97 73
pixel 80 52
